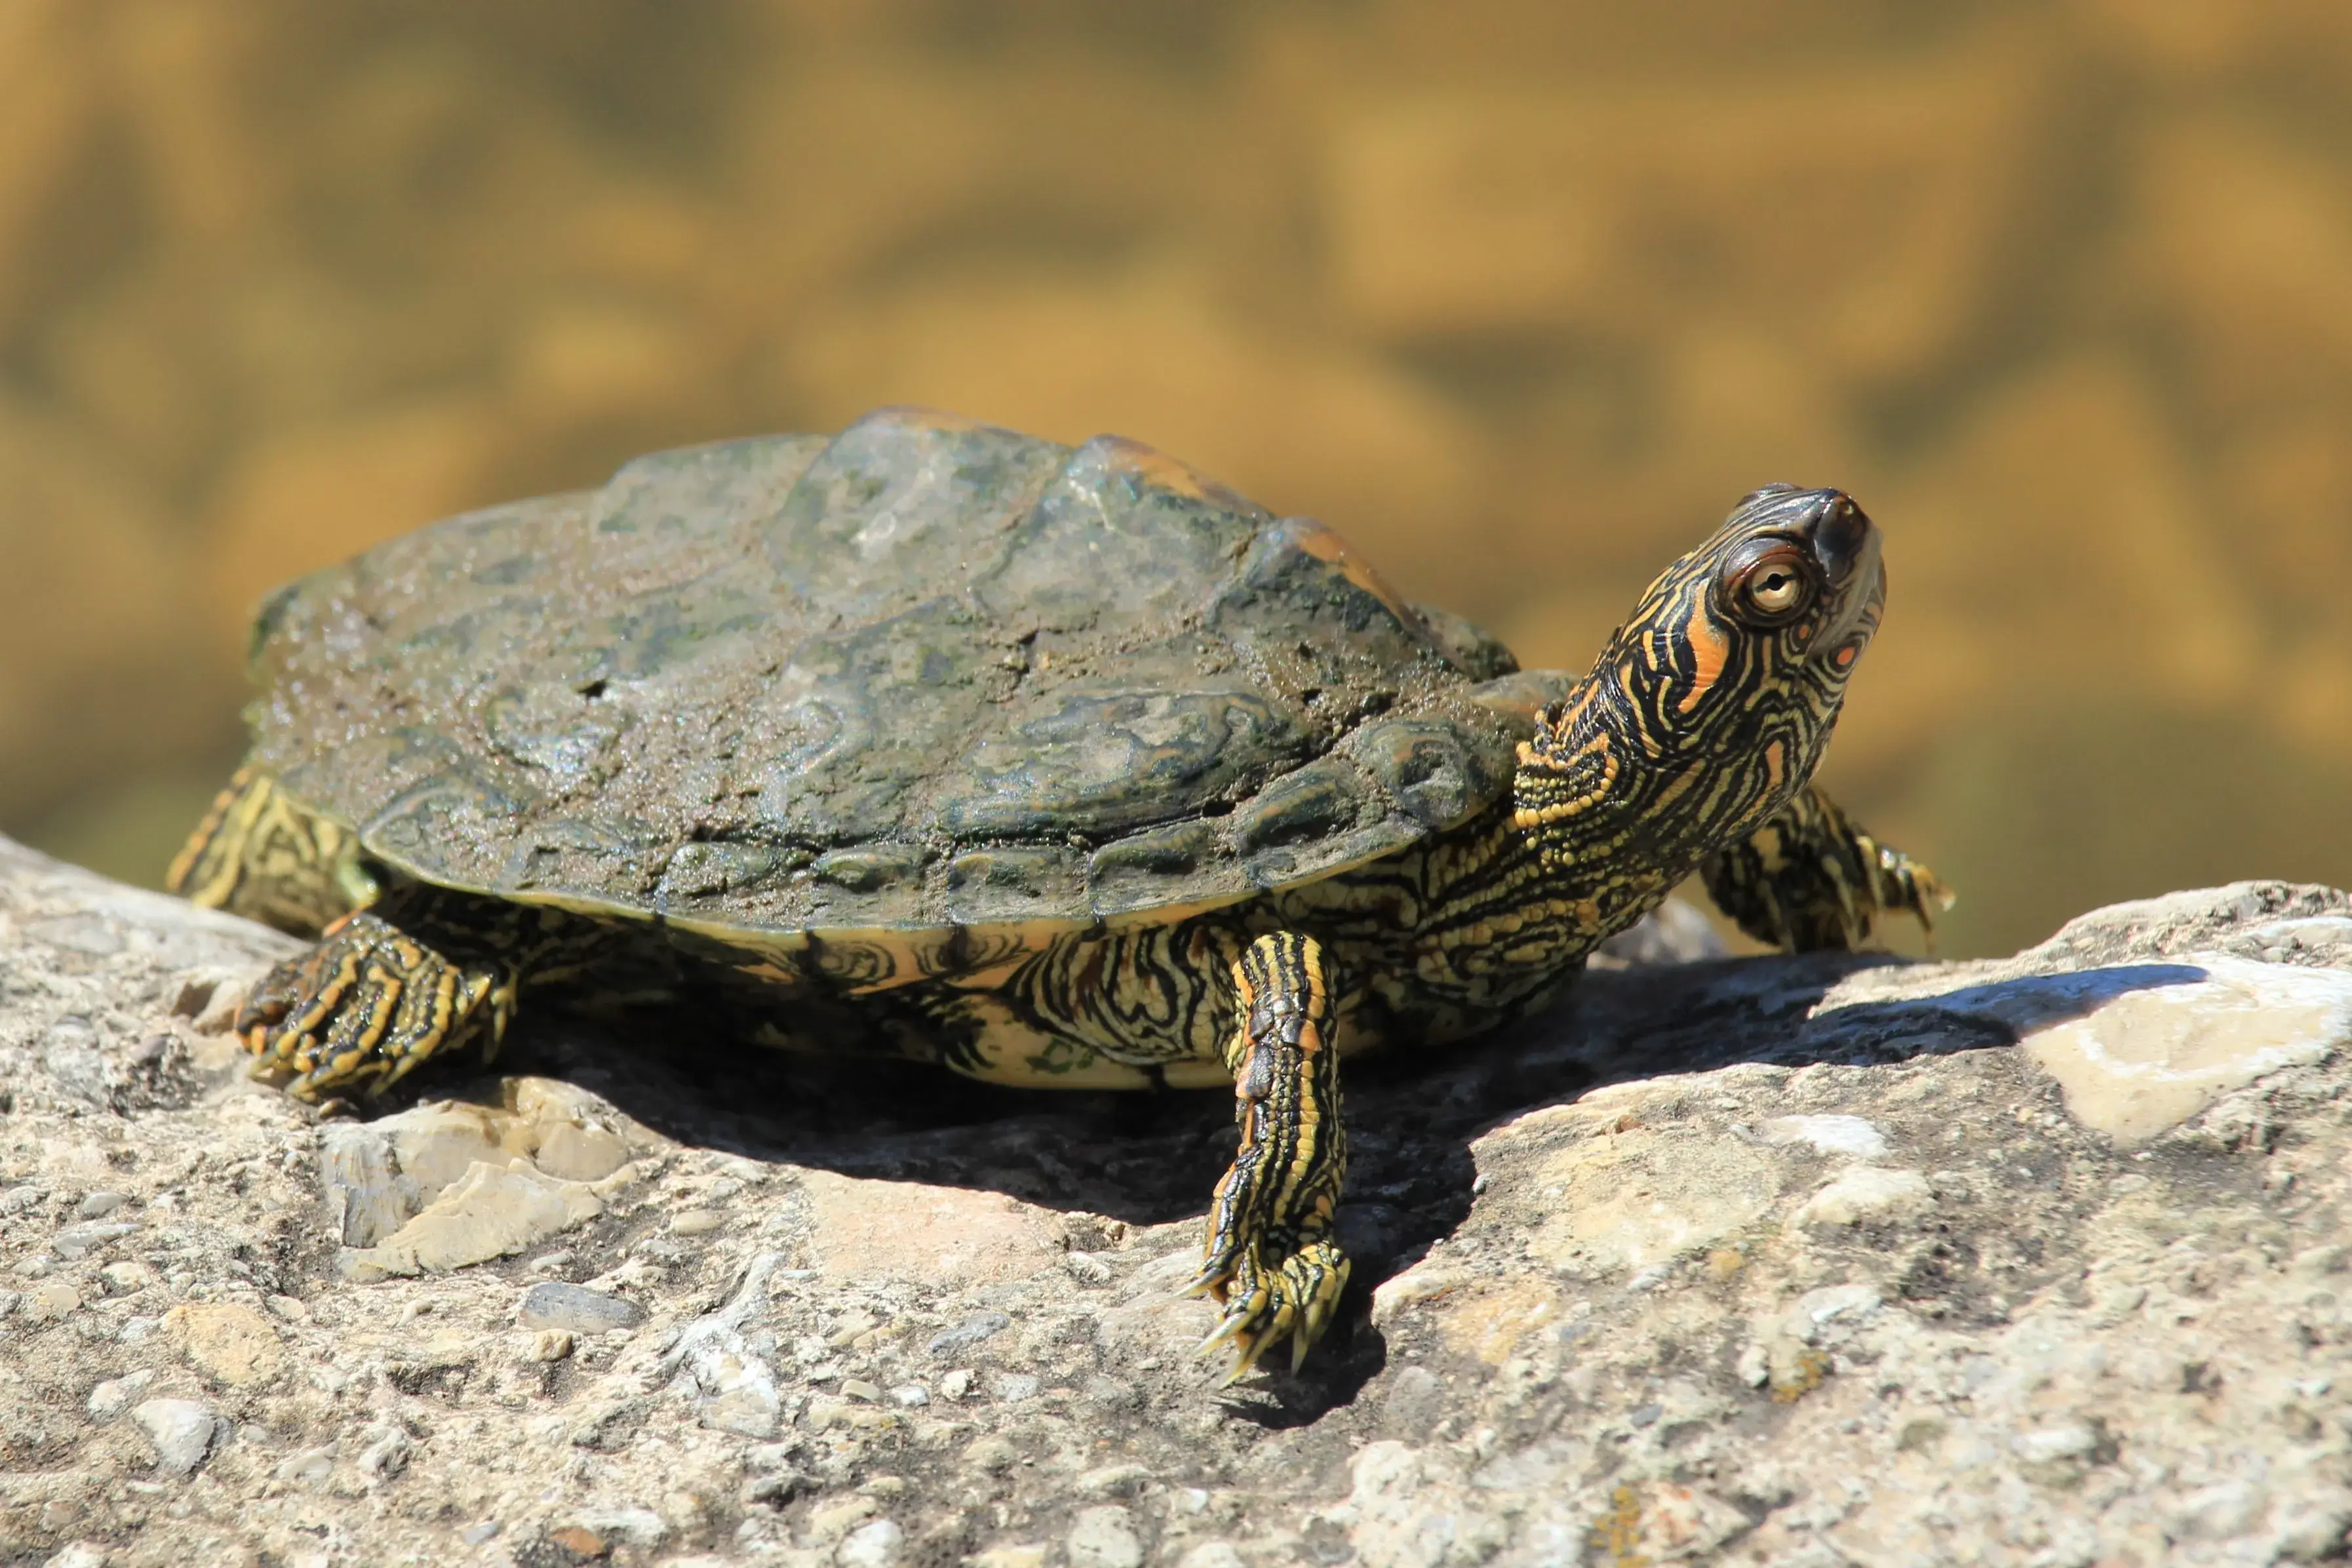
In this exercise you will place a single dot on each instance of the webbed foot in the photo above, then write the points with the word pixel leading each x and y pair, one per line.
pixel 1270 1260
pixel 366 1007
pixel 1812 878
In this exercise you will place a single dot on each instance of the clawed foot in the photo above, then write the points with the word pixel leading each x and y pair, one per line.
pixel 1812 880
pixel 1264 1307
pixel 365 1007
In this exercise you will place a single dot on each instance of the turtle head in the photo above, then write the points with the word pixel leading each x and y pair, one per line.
pixel 1712 703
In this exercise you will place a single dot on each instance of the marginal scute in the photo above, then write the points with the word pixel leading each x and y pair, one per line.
pixel 700 869
pixel 1519 696
pixel 1320 800
pixel 925 677
pixel 867 870
pixel 1429 766
pixel 1010 884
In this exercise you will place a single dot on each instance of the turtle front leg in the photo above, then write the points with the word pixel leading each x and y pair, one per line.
pixel 369 1004
pixel 1270 1260
pixel 1810 878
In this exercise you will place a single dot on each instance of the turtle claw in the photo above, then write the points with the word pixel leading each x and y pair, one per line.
pixel 363 1008
pixel 1264 1307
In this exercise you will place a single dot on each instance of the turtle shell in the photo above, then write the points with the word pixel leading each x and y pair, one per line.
pixel 923 675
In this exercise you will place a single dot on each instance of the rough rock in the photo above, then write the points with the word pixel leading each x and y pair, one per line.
pixel 1821 1261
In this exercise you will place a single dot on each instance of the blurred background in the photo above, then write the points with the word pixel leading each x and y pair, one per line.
pixel 1518 294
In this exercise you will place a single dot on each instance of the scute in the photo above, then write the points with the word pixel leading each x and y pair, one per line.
pixel 851 703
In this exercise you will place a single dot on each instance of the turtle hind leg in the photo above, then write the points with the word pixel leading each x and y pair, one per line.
pixel 1270 1260
pixel 258 855
pixel 1812 878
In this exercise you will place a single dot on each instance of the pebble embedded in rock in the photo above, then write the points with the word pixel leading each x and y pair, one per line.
pixel 45 1303
pixel 182 1432
pixel 236 1345
pixel 1211 1554
pixel 1831 1134
pixel 697 1222
pixel 113 1396
pixel 1864 1195
pixel 875 1544
pixel 1103 1537
pixel 970 1332
pixel 552 1304
pixel 99 1204
pixel 79 1554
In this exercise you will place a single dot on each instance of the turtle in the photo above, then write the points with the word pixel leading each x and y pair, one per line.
pixel 1059 766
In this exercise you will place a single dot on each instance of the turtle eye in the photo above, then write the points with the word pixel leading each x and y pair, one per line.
pixel 1770 586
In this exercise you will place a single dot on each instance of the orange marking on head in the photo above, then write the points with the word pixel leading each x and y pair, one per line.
pixel 1708 650
pixel 1776 763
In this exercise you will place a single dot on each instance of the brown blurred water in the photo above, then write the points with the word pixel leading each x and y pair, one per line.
pixel 1520 295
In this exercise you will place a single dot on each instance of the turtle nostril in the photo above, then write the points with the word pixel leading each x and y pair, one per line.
pixel 1840 533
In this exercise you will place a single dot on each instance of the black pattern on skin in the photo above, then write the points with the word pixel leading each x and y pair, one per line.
pixel 1271 1262
pixel 1690 744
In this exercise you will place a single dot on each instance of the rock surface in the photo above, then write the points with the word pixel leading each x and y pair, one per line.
pixel 1793 1261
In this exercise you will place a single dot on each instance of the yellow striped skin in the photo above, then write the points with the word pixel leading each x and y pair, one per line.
pixel 1689 746
pixel 260 855
pixel 1270 1258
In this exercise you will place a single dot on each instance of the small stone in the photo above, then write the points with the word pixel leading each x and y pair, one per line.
pixel 1112 1481
pixel 1012 1387
pixel 584 1545
pixel 386 1453
pixel 47 1303
pixel 1211 1554
pixel 79 1554
pixel 288 1308
pixel 970 1332
pixel 956 1385
pixel 492 1211
pixel 696 1222
pixel 1866 1193
pixel 2218 1512
pixel 81 1240
pixel 311 1468
pixel 552 1304
pixel 1849 1135
pixel 125 1278
pixel 233 1344
pixel 2048 1443
pixel 639 1527
pixel 991 1454
pixel 551 1344
pixel 475 1534
pixel 739 1392
pixel 1008 1557
pixel 913 1396
pixel 578 1153
pixel 1103 1537
pixel 872 1545
pixel 181 1431
pixel 99 1204
pixel 112 1397
pixel 833 1521
pixel 859 1389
